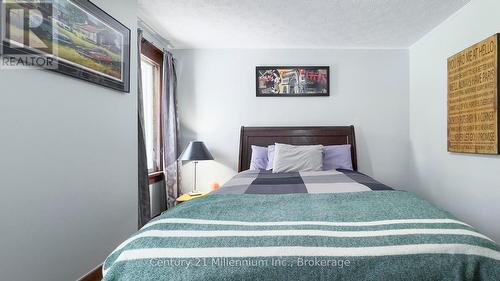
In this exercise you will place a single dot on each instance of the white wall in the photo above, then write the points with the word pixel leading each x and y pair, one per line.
pixel 466 185
pixel 68 164
pixel 369 89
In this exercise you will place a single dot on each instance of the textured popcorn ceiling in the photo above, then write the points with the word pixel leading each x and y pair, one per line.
pixel 294 23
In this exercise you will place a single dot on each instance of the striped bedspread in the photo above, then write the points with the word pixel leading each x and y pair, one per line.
pixel 353 236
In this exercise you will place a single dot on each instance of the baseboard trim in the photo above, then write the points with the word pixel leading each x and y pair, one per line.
pixel 93 275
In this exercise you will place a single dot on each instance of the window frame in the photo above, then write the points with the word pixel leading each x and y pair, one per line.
pixel 156 55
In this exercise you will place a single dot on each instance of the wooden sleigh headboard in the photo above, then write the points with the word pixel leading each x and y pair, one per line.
pixel 264 136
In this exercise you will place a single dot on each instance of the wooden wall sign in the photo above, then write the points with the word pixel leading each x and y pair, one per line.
pixel 473 99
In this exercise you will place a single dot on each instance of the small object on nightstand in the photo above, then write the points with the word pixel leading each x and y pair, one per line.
pixel 188 196
pixel 215 186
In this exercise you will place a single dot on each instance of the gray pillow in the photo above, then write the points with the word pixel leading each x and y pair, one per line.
pixel 291 158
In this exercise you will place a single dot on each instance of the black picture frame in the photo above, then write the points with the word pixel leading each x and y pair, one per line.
pixel 103 58
pixel 285 89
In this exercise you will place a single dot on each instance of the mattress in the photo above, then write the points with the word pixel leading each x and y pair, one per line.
pixel 333 225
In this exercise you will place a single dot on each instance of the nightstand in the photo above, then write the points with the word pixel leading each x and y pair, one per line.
pixel 186 197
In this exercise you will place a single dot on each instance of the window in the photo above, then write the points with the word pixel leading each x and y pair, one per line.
pixel 152 73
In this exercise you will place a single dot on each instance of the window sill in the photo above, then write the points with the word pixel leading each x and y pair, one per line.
pixel 155 177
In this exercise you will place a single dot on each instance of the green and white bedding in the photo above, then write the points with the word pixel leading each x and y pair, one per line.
pixel 353 236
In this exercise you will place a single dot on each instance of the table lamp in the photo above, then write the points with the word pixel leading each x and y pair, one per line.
pixel 196 151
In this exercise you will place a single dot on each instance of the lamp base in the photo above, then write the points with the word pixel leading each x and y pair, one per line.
pixel 195 193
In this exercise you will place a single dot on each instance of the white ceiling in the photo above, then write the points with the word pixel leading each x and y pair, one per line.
pixel 193 24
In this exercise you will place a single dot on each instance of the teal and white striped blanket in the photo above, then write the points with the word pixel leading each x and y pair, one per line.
pixel 383 235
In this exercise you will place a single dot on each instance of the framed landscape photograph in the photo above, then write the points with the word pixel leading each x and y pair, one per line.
pixel 83 40
pixel 293 81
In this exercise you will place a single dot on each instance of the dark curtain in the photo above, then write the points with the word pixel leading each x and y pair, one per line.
pixel 170 130
pixel 143 186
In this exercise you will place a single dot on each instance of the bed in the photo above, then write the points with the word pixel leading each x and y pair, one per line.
pixel 318 225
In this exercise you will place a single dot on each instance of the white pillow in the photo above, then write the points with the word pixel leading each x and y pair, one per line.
pixel 291 158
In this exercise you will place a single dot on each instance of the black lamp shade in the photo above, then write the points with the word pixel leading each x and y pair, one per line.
pixel 196 151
